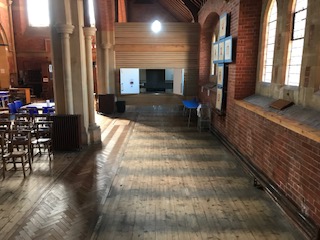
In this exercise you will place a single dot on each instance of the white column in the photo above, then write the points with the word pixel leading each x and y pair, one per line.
pixel 65 30
pixel 94 130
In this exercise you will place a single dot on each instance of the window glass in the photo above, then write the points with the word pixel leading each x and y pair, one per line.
pixel 297 42
pixel 91 13
pixel 212 64
pixel 270 42
pixel 38 13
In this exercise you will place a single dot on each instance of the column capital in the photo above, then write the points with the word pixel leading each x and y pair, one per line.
pixel 89 31
pixel 64 28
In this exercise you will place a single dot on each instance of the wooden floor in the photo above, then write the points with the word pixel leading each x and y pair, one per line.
pixel 151 178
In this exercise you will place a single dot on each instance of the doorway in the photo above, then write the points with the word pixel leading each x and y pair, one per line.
pixel 155 80
pixel 34 81
pixel 136 81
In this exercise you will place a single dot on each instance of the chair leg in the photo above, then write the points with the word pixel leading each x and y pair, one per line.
pixel 14 164
pixel 23 169
pixel 4 168
pixel 31 152
pixel 39 146
pixel 189 117
pixel 49 150
pixel 30 165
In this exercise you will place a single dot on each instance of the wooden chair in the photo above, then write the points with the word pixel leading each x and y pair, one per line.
pixel 5 125
pixel 18 150
pixel 40 117
pixel 43 134
pixel 20 116
pixel 5 116
pixel 21 125
pixel 4 151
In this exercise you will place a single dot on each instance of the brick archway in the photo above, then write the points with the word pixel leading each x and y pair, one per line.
pixel 207 29
pixel 3 37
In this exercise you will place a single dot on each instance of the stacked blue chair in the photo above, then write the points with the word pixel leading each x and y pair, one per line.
pixel 32 110
pixel 18 104
pixel 48 110
pixel 12 108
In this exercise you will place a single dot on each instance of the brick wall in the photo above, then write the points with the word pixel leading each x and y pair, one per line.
pixel 247 48
pixel 105 15
pixel 289 160
pixel 5 34
pixel 32 44
pixel 4 21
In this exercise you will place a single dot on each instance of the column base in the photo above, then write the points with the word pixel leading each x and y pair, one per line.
pixel 94 134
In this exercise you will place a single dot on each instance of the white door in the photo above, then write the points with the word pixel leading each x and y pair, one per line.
pixel 178 81
pixel 129 81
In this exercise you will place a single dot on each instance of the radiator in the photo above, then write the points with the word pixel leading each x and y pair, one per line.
pixel 66 132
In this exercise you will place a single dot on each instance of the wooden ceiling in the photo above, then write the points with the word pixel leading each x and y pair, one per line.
pixel 183 10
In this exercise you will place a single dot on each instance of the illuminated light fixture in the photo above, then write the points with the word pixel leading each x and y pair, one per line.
pixel 156 26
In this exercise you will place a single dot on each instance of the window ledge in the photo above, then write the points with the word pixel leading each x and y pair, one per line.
pixel 289 87
pixel 305 122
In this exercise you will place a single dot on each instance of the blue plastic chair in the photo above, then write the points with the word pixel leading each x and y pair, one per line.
pixel 32 111
pixel 12 108
pixel 18 104
pixel 47 110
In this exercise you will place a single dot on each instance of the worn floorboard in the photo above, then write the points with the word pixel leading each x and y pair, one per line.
pixel 152 177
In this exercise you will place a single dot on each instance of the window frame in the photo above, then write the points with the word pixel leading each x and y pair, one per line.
pixel 294 40
pixel 293 25
pixel 267 40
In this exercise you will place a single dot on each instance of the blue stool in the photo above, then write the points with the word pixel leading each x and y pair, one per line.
pixel 189 105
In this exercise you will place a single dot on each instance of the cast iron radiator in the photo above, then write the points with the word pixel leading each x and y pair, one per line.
pixel 66 132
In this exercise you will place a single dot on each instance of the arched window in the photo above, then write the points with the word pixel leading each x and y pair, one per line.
pixel 296 44
pixel 38 13
pixel 213 66
pixel 270 42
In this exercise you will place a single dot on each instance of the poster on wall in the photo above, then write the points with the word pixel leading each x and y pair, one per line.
pixel 228 49
pixel 219 99
pixel 221 51
pixel 220 75
pixel 223 26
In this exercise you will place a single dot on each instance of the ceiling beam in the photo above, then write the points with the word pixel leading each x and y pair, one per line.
pixel 192 8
